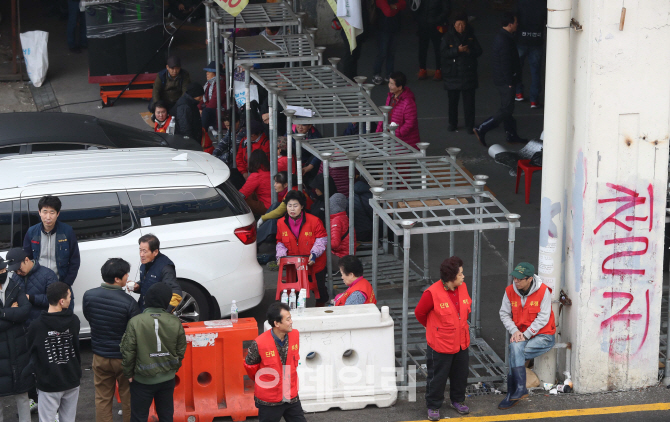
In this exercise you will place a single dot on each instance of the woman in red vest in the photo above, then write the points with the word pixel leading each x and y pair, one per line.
pixel 300 233
pixel 359 289
pixel 443 309
pixel 161 117
pixel 256 189
pixel 272 362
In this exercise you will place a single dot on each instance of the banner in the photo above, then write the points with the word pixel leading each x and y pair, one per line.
pixel 234 7
pixel 240 93
pixel 349 14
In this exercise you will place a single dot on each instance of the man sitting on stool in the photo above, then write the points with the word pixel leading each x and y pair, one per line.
pixel 527 315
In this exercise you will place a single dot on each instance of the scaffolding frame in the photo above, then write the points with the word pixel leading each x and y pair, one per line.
pixel 260 16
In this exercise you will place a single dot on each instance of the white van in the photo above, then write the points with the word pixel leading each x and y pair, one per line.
pixel 112 197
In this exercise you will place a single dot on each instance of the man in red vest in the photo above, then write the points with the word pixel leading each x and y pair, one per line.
pixel 272 363
pixel 527 315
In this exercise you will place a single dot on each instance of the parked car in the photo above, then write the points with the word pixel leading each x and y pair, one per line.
pixel 28 133
pixel 112 197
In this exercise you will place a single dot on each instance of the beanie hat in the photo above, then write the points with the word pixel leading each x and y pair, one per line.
pixel 195 90
pixel 158 296
pixel 338 203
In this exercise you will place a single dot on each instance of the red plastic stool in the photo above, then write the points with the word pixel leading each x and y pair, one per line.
pixel 524 166
pixel 298 270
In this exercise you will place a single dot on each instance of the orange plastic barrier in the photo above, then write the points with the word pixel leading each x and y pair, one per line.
pixel 212 381
pixel 305 278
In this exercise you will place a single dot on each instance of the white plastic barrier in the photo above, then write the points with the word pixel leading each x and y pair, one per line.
pixel 353 364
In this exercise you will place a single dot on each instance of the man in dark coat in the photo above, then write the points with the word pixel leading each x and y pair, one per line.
pixel 532 15
pixel 170 83
pixel 33 279
pixel 14 357
pixel 506 74
pixel 318 208
pixel 460 50
pixel 430 15
pixel 108 309
pixel 187 114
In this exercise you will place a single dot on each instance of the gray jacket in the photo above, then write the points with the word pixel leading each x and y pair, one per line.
pixel 542 317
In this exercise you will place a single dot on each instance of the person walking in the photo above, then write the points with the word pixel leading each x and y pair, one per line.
pixel 527 315
pixel 300 233
pixel 53 244
pixel 506 75
pixel 359 290
pixel 443 309
pixel 153 348
pixel 156 268
pixel 53 342
pixel 460 50
pixel 532 15
pixel 388 26
pixel 108 309
pixel 14 356
pixel 430 14
pixel 272 362
pixel 404 113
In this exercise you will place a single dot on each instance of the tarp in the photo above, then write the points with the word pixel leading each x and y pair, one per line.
pixel 350 15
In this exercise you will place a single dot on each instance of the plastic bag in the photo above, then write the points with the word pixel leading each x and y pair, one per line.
pixel 34 44
pixel 536 159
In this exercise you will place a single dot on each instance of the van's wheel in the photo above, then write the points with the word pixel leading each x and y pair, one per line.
pixel 194 305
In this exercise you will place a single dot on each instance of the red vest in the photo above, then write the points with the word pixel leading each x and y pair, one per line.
pixel 361 285
pixel 523 316
pixel 310 230
pixel 262 143
pixel 273 383
pixel 162 129
pixel 446 332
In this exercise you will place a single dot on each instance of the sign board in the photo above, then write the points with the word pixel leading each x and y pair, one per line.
pixel 234 7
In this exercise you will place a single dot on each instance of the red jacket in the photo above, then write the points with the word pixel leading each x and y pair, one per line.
pixel 523 316
pixel 282 164
pixel 262 143
pixel 259 183
pixel 405 115
pixel 447 331
pixel 162 129
pixel 385 7
pixel 361 285
pixel 339 234
pixel 310 230
pixel 272 382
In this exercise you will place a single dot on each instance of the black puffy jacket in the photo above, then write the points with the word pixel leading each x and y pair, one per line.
pixel 433 12
pixel 14 356
pixel 188 118
pixel 506 65
pixel 532 15
pixel 459 70
pixel 35 284
pixel 108 309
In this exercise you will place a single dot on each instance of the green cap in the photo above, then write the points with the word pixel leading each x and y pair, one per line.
pixel 523 270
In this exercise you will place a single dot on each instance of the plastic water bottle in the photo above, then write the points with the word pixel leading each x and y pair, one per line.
pixel 171 127
pixel 284 297
pixel 233 312
pixel 302 301
pixel 292 299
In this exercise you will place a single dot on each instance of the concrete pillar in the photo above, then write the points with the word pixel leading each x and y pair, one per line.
pixel 611 215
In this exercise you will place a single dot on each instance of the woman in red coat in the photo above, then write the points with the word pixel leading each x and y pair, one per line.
pixel 339 226
pixel 257 188
pixel 401 98
pixel 443 310
pixel 301 233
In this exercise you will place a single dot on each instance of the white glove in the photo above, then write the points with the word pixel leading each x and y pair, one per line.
pixel 260 223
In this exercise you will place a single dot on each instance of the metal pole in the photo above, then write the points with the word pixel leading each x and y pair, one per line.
pixel 479 187
pixel 352 156
pixel 666 379
pixel 217 60
pixel 406 225
pixel 326 193
pixel 273 144
pixel 289 147
pixel 511 237
pixel 299 138
pixel 423 146
pixel 320 51
pixel 334 61
pixel 228 71
pixel 247 108
pixel 386 110
pixel 208 30
pixel 376 193
pixel 453 153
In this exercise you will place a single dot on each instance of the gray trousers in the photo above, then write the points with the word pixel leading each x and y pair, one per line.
pixel 63 403
pixel 22 407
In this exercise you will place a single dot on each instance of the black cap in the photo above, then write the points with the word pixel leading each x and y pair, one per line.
pixel 3 264
pixel 195 90
pixel 14 258
pixel 173 61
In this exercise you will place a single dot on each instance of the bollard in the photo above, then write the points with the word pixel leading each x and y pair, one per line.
pixel 289 147
pixel 299 138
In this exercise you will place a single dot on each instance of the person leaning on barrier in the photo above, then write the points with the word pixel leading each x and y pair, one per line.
pixel 156 268
pixel 272 363
pixel 527 315
pixel 359 290
pixel 443 309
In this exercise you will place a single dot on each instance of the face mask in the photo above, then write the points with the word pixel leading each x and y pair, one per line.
pixel 3 278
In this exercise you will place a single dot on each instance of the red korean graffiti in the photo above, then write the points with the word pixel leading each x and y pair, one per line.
pixel 628 201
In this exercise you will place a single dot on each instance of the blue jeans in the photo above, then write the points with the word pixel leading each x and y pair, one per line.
pixel 522 351
pixel 74 16
pixel 385 50
pixel 534 54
